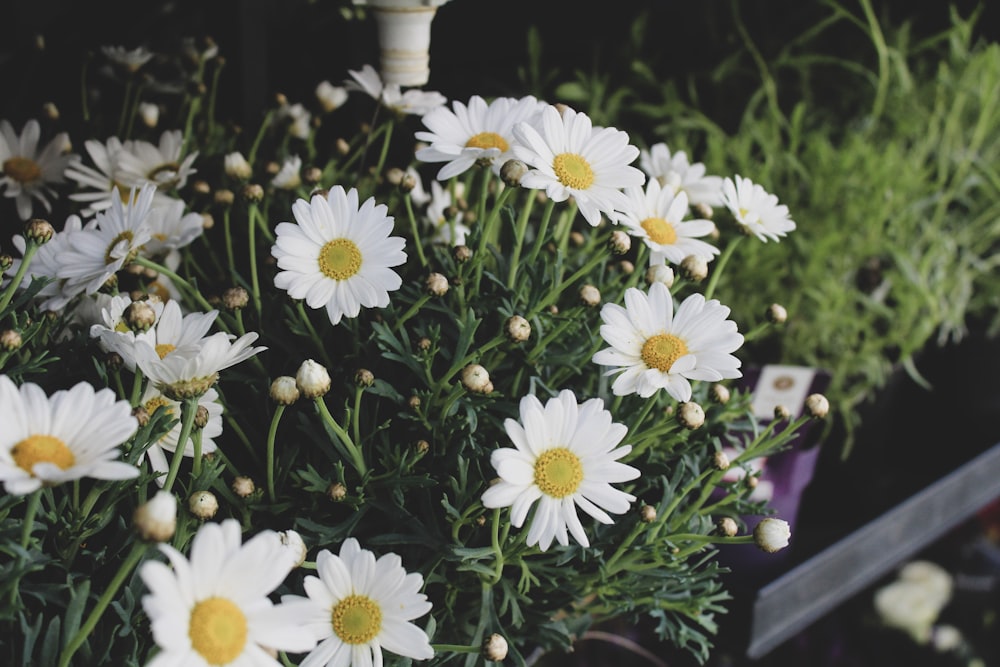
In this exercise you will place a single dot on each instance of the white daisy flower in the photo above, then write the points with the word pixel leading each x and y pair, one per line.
pixel 565 456
pixel 329 96
pixel 214 608
pixel 129 59
pixel 163 164
pixel 338 255
pixel 160 452
pixel 26 173
pixel 571 158
pixel 477 132
pixel 236 166
pixel 653 348
pixel 102 183
pixel 170 227
pixel 113 333
pixel 677 174
pixel 289 175
pixel 298 118
pixel 757 211
pixel 437 216
pixel 46 263
pixel 192 369
pixel 418 195
pixel 48 440
pixel 413 101
pixel 360 606
pixel 99 252
pixel 656 216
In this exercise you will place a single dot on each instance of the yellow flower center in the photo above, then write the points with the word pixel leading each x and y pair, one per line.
pixel 22 170
pixel 163 349
pixel 157 402
pixel 357 619
pixel 42 449
pixel 120 247
pixel 218 630
pixel 662 350
pixel 488 140
pixel 340 259
pixel 558 472
pixel 165 174
pixel 660 231
pixel 573 171
pixel 121 327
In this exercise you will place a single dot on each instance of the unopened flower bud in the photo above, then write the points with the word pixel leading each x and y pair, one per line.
pixel 647 513
pixel 50 111
pixel 409 183
pixel 703 210
pixel 203 504
pixel 720 461
pixel 38 230
pixel 235 298
pixel 6 261
pixel 518 329
pixel 422 447
pixel 512 172
pixel 626 267
pixel 461 253
pixel 394 176
pixel 243 486
pixel 139 316
pixel 336 492
pixel 201 186
pixel 156 519
pixel 776 314
pixel 341 146
pixel 201 417
pixel 364 377
pixel 720 394
pixel 577 238
pixel 413 402
pixel 694 268
pixel 294 546
pixel 660 273
pixel 224 197
pixel 284 390
pixel 436 284
pixel 727 526
pixel 590 296
pixel 236 166
pixel 772 535
pixel 691 415
pixel 619 242
pixel 253 193
pixel 495 648
pixel 817 405
pixel 781 412
pixel 141 415
pixel 113 360
pixel 475 378
pixel 312 379
pixel 10 340
pixel 207 221
pixel 424 344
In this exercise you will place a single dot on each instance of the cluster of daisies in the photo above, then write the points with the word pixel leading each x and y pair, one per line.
pixel 339 254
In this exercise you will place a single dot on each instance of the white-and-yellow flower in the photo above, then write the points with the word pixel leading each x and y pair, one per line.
pixel 361 605
pixel 653 348
pixel 338 255
pixel 214 608
pixel 656 215
pixel 162 450
pixel 675 173
pixel 48 440
pixel 565 456
pixel 163 164
pixel 755 209
pixel 26 173
pixel 572 158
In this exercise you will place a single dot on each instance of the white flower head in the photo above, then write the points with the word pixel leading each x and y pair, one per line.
pixel 572 158
pixel 675 173
pixel 447 230
pixel 565 456
pixel 414 102
pixel 214 609
pixel 162 450
pixel 26 173
pixel 338 254
pixel 170 227
pixel 359 605
pixel 298 118
pixel 163 164
pixel 772 534
pixel 48 440
pixel 329 96
pixel 101 184
pixel 113 333
pixel 656 215
pixel 129 59
pixel 653 348
pixel 477 132
pixel 236 166
pixel 289 176
pixel 755 209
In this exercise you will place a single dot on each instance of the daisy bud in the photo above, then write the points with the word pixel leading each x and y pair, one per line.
pixel 364 377
pixel 619 242
pixel 694 268
pixel 577 238
pixel 436 284
pixel 237 167
pixel 720 394
pixel 626 267
pixel 141 415
pixel 156 519
pixel 201 417
pixel 461 253
pixel 727 526
pixel 224 197
pixel 413 402
pixel 424 344
pixel 495 648
pixel 512 172
pixel 6 261
pixel 590 296
pixel 394 176
pixel 312 379
pixel 647 513
pixel 772 535
pixel 149 113
pixel 329 96
pixel 113 360
pixel 518 329
pixel 553 309
pixel 312 175
pixel 207 221
pixel 691 415
pixel 50 111
pixel 336 492
pixel 319 192
pixel 703 210
pixel 475 378
pixel 480 520
pixel 201 187
pixel 284 390
pixel 660 273
pixel 776 314
pixel 139 316
pixel 203 504
pixel 782 413
pixel 243 486
pixel 817 405
pixel 10 340
pixel 235 298
pixel 408 184
pixel 751 481
pixel 294 545
pixel 38 230
pixel 720 461
pixel 422 447
pixel 341 146
pixel 253 193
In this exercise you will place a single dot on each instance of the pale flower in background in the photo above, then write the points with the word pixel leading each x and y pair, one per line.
pixel 101 183
pixel 675 173
pixel 756 210
pixel 170 227
pixel 914 601
pixel 26 173
pixel 448 230
pixel 236 166
pixel 329 96
pixel 130 59
pixel 289 175
pixel 163 164
pixel 413 101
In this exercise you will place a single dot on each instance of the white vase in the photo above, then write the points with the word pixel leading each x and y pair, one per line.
pixel 404 35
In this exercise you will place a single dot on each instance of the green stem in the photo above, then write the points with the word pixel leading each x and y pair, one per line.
pixel 181 282
pixel 352 449
pixel 720 264
pixel 189 408
pixel 30 249
pixel 34 500
pixel 543 227
pixel 417 305
pixel 418 244
pixel 519 232
pixel 497 551
pixel 196 458
pixel 271 432
pixel 252 241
